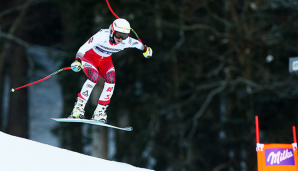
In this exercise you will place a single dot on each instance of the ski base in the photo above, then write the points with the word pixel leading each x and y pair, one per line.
pixel 91 122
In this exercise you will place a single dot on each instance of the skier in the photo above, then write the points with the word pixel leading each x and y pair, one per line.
pixel 95 58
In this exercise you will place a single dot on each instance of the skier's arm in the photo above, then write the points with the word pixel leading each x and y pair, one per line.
pixel 77 64
pixel 147 51
pixel 87 46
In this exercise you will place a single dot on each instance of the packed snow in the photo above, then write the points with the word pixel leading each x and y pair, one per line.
pixel 27 155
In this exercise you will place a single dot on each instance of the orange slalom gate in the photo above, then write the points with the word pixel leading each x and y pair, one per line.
pixel 276 157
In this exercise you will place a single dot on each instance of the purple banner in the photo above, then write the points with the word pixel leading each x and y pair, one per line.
pixel 279 156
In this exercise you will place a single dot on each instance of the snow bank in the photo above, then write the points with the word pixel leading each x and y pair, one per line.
pixel 27 155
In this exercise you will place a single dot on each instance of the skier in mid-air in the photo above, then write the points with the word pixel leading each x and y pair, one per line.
pixel 95 58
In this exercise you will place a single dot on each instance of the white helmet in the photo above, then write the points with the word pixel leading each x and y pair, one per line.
pixel 120 25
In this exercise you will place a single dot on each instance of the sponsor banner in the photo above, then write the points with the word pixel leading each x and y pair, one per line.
pixel 279 156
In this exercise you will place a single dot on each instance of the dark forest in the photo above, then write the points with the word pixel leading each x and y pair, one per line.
pixel 216 65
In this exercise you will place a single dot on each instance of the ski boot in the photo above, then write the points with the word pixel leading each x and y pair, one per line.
pixel 78 110
pixel 100 113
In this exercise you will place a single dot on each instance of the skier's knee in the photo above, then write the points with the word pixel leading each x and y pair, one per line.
pixel 94 80
pixel 95 77
pixel 110 77
pixel 92 74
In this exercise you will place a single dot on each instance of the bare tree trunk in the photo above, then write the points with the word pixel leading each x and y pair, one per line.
pixel 99 146
pixel 99 142
pixel 18 109
pixel 7 44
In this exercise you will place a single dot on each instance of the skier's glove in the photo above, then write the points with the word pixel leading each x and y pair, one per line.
pixel 147 52
pixel 76 66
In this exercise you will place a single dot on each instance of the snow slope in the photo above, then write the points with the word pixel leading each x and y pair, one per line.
pixel 19 154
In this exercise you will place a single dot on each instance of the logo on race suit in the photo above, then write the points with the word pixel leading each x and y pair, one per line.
pixel 85 93
pixel 89 86
pixel 295 65
pixel 129 41
pixel 110 49
pixel 110 89
pixel 108 96
pixel 90 40
pixel 279 156
pixel 87 65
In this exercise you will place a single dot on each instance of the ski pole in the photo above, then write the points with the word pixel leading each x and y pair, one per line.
pixel 118 17
pixel 56 72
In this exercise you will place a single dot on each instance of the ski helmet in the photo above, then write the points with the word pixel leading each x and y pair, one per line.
pixel 120 28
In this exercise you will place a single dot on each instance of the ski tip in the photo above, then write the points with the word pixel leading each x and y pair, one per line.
pixel 129 128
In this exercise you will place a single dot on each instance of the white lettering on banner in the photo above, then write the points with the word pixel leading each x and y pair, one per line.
pixel 278 157
pixel 295 65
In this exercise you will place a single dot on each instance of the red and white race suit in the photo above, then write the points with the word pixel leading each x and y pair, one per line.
pixel 97 62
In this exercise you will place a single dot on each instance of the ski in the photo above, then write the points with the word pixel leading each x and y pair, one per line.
pixel 91 122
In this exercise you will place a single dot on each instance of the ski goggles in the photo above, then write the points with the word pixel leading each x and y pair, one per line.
pixel 119 35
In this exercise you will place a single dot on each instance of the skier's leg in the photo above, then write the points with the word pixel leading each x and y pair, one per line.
pixel 108 88
pixel 93 77
pixel 108 74
pixel 86 90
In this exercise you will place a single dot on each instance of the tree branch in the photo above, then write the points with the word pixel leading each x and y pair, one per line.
pixel 20 7
pixel 196 27
pixel 15 39
pixel 204 107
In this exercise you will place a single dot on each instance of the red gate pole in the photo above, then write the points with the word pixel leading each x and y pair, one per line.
pixel 294 134
pixel 257 129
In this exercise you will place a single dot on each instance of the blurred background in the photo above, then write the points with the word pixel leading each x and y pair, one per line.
pixel 216 64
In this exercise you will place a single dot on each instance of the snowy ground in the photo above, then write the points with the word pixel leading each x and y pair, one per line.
pixel 27 155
